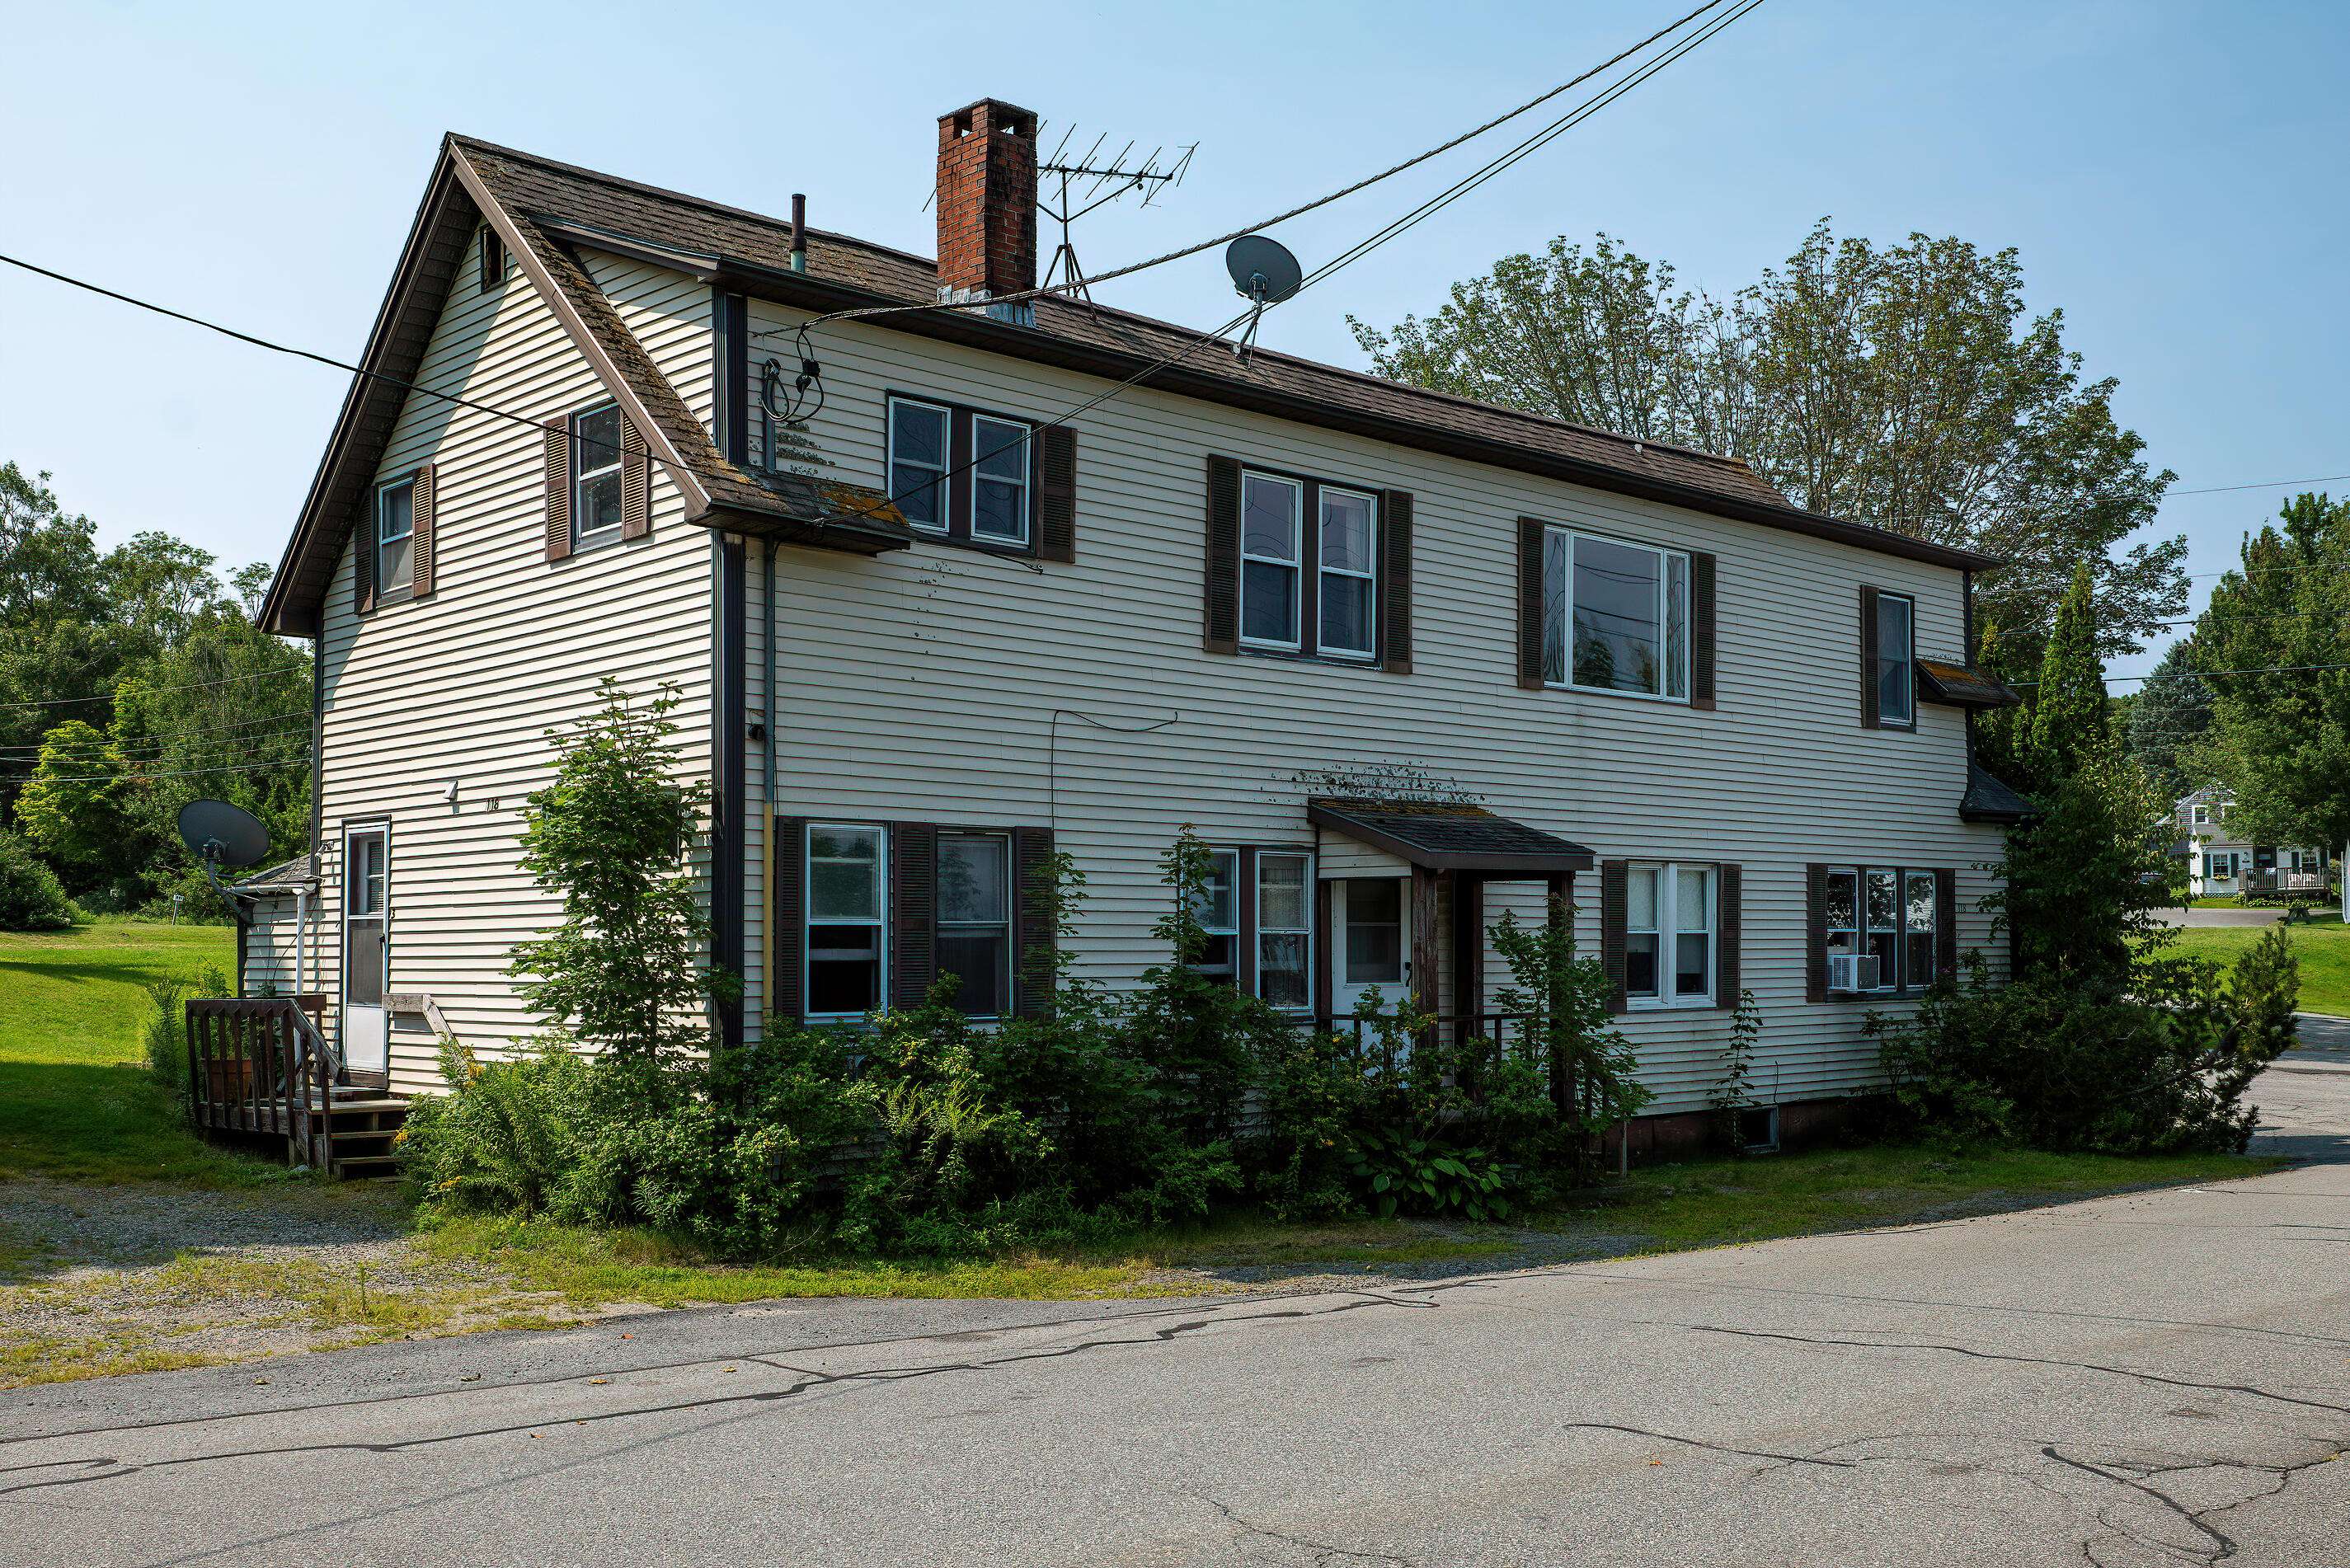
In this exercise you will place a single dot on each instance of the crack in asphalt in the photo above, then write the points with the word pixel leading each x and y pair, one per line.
pixel 2140 1479
pixel 117 1468
pixel 1717 1447
pixel 1971 1354
pixel 1324 1552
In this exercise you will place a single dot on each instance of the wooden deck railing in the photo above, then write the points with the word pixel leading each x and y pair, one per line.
pixel 260 1064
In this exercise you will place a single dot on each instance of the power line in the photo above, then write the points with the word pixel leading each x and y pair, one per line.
pixel 103 741
pixel 1534 143
pixel 2259 669
pixel 2270 484
pixel 122 681
pixel 539 425
pixel 1299 211
pixel 136 777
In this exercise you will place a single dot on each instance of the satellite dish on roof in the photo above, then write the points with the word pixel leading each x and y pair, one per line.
pixel 1262 269
pixel 219 834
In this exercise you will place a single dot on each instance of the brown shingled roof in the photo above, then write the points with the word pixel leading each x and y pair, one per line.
pixel 752 253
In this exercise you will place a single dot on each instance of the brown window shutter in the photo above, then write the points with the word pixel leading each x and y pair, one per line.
pixel 1221 632
pixel 1034 937
pixel 787 914
pixel 420 549
pixel 1531 534
pixel 913 912
pixel 636 485
pixel 1395 583
pixel 1868 718
pixel 1946 925
pixel 1730 933
pixel 1614 887
pixel 1057 494
pixel 1815 933
pixel 363 557
pixel 558 489
pixel 1702 656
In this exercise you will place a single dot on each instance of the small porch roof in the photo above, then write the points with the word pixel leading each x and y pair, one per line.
pixel 1962 685
pixel 287 874
pixel 1446 837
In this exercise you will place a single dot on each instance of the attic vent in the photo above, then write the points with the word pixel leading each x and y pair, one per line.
pixel 494 259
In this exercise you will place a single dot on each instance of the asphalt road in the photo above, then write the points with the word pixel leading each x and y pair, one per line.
pixel 2157 1379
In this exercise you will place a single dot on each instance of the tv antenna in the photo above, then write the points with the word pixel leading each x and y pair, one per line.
pixel 1092 181
pixel 1266 274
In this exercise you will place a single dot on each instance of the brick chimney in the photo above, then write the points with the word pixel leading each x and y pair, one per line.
pixel 987 201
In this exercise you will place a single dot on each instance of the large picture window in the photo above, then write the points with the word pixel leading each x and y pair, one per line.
pixel 974 931
pixel 847 913
pixel 1615 616
pixel 1668 934
pixel 1883 927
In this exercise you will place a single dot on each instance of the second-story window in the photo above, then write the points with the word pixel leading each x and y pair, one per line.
pixel 395 531
pixel 595 476
pixel 1615 616
pixel 1347 589
pixel 961 473
pixel 1272 521
pixel 1892 659
pixel 920 439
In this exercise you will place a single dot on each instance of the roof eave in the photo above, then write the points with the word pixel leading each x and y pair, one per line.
pixel 976 330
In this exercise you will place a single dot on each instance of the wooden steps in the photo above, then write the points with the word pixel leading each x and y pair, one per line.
pixel 361 1143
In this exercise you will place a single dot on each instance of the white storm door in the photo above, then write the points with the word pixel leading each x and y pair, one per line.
pixel 366 947
pixel 1368 946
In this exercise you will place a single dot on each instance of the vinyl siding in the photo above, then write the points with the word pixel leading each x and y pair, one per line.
pixel 461 688
pixel 271 950
pixel 941 684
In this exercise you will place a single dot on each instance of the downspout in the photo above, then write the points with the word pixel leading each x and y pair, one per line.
pixel 767 784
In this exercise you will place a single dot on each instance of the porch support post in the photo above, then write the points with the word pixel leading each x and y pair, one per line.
pixel 1558 912
pixel 1426 993
pixel 1468 951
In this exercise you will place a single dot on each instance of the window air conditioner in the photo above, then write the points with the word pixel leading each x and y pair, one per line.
pixel 1852 971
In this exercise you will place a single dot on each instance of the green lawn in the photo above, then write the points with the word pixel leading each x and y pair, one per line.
pixel 75 1101
pixel 2323 946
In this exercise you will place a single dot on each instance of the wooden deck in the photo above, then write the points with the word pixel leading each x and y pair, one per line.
pixel 260 1067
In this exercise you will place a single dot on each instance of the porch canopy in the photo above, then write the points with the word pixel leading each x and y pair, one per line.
pixel 1963 686
pixel 1439 836
pixel 1461 847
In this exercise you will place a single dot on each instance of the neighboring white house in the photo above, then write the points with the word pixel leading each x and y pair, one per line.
pixel 2222 864
pixel 1405 660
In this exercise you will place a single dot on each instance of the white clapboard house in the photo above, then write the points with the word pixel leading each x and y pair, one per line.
pixel 1405 660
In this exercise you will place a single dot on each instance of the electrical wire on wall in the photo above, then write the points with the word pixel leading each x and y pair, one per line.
pixel 1053 751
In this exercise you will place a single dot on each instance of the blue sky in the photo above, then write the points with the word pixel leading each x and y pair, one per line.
pixel 2168 172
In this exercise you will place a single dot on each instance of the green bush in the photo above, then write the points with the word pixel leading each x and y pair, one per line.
pixel 31 897
pixel 2053 1066
pixel 163 1037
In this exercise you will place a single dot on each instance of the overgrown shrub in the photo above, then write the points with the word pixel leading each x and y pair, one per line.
pixel 2058 1066
pixel 31 897
pixel 163 1036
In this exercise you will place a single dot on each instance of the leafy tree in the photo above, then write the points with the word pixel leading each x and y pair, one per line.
pixel 30 897
pixel 71 810
pixel 1901 385
pixel 2068 706
pixel 2281 739
pixel 623 971
pixel 2171 717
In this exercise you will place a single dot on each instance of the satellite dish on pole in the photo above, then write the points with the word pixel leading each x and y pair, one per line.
pixel 1263 270
pixel 219 834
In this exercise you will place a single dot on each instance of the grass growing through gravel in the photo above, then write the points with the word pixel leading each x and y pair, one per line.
pixel 2323 946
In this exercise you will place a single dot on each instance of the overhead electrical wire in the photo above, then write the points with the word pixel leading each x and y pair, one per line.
pixel 185 686
pixel 1096 279
pixel 138 774
pixel 2270 485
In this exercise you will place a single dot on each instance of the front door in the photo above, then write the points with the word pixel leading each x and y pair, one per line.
pixel 367 945
pixel 1368 949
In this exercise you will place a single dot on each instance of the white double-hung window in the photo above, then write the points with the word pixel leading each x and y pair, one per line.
pixel 395 532
pixel 1668 934
pixel 1284 927
pixel 1615 616
pixel 595 476
pixel 920 434
pixel 848 956
pixel 1346 588
pixel 1272 522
